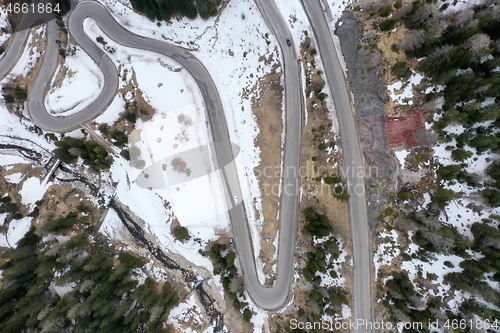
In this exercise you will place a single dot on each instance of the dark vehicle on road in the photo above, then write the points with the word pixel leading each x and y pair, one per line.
pixel 288 42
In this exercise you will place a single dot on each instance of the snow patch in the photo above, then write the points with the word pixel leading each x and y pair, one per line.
pixel 14 178
pixel 32 191
pixel 4 22
pixel 17 229
pixel 401 156
pixel 387 250
pixel 241 47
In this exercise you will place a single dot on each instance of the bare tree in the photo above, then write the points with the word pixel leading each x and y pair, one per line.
pixel 436 26
pixel 439 242
pixel 402 12
pixel 478 44
pixel 422 15
pixel 400 315
pixel 482 90
pixel 493 8
pixel 74 151
pixel 461 18
pixel 425 137
pixel 442 52
pixel 495 12
pixel 404 225
pixel 492 242
pixel 413 40
pixel 417 301
pixel 431 223
pixel 496 44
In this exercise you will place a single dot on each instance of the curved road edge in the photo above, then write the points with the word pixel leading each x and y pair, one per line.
pixel 267 298
pixel 353 162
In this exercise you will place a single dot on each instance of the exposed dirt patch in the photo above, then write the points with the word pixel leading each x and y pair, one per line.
pixel 404 130
pixel 139 105
pixel 13 189
pixel 370 97
pixel 64 49
pixel 136 105
pixel 321 159
pixel 268 113
pixel 267 252
pixel 384 48
pixel 60 200
pixel 41 46
pixel 60 76
pixel 385 42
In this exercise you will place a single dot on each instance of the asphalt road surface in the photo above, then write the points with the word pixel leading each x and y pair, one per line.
pixel 277 296
pixel 9 59
pixel 267 298
pixel 353 161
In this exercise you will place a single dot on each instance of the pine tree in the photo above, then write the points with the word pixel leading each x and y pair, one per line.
pixel 18 276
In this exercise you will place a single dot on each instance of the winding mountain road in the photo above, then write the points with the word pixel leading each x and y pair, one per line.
pixel 267 298
pixel 353 164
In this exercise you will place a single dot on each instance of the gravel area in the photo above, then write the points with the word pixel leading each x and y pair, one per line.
pixel 369 101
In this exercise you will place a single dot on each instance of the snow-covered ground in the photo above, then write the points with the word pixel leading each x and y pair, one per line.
pixel 32 191
pixel 111 226
pixel 81 85
pixel 187 316
pixel 4 22
pixel 174 96
pixel 460 212
pixel 18 132
pixel 434 270
pixel 402 92
pixel 387 250
pixel 238 47
pixel 401 155
pixel 239 39
pixel 333 276
pixel 177 129
pixel 14 178
pixel 17 229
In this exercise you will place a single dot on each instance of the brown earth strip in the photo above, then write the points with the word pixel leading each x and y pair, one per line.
pixel 268 113
pixel 318 162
